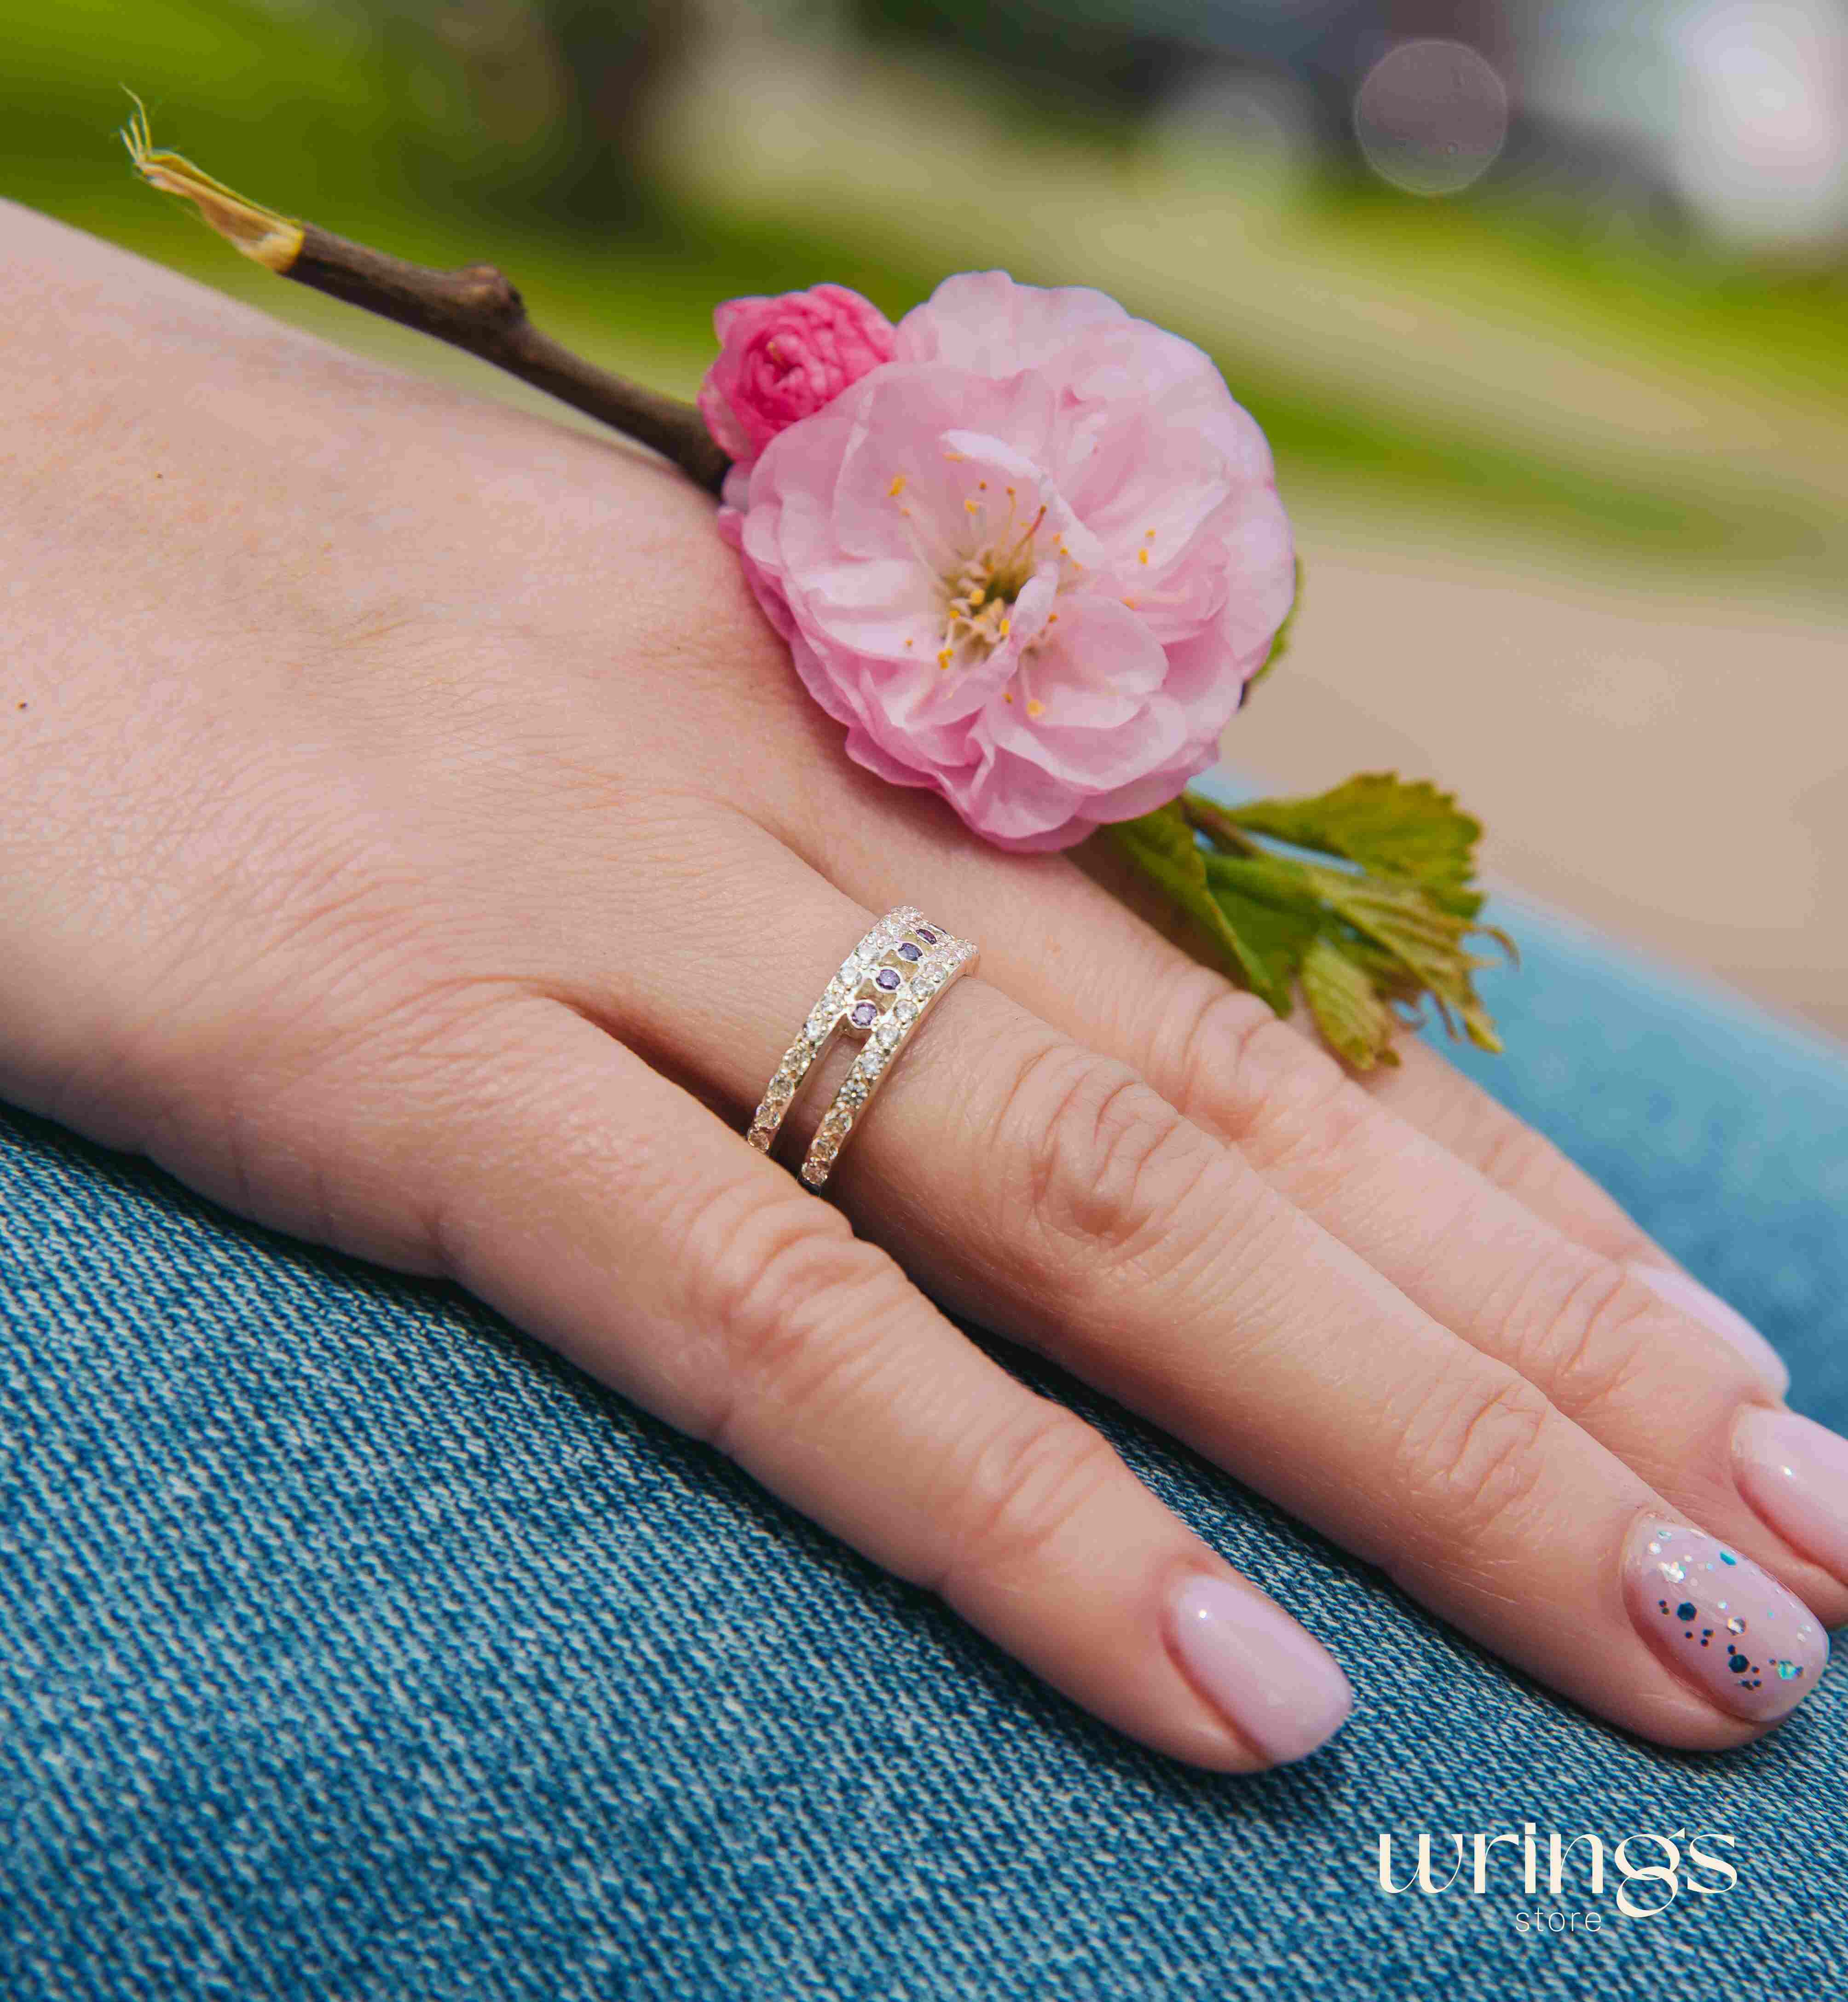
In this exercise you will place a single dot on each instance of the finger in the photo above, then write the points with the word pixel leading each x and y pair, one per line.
pixel 1620 1356
pixel 1436 1097
pixel 1053 1192
pixel 598 1205
pixel 1423 1090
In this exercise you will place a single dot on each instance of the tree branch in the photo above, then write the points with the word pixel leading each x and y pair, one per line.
pixel 476 308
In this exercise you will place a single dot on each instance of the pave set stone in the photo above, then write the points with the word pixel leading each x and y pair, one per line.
pixel 870 997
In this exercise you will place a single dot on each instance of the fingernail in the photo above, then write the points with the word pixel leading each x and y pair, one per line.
pixel 1794 1472
pixel 1728 1323
pixel 1727 1627
pixel 1276 1684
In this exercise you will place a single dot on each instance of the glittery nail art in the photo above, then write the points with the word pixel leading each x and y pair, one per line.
pixel 1730 1629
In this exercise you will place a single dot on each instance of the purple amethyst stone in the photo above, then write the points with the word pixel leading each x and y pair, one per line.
pixel 930 938
pixel 887 977
pixel 909 951
pixel 864 1013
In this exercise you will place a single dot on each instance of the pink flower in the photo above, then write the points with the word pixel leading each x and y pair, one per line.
pixel 781 360
pixel 1031 561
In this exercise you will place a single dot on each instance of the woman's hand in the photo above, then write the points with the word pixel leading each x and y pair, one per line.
pixel 414 839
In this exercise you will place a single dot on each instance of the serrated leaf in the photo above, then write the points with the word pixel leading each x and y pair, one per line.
pixel 1426 941
pixel 1162 847
pixel 1382 926
pixel 1355 1022
pixel 1383 824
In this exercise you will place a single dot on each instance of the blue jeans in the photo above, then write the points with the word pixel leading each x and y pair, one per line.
pixel 353 1645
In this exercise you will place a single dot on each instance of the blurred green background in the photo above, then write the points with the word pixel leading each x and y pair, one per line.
pixel 1541 302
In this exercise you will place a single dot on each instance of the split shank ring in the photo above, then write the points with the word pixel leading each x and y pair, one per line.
pixel 885 988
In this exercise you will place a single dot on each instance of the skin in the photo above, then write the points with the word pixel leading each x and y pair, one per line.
pixel 415 839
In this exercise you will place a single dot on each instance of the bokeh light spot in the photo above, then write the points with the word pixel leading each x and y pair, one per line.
pixel 1431 117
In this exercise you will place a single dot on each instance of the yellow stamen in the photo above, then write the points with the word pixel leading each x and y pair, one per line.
pixel 1007 695
pixel 971 506
pixel 896 486
pixel 1036 709
pixel 1142 556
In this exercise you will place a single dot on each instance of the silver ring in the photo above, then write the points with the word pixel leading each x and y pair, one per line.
pixel 885 988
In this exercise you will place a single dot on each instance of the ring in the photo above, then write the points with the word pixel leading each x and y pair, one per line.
pixel 886 986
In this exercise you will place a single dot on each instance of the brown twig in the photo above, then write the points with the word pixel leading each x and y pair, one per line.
pixel 1208 817
pixel 479 308
pixel 476 307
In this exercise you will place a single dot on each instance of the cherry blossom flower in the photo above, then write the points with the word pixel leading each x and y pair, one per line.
pixel 1031 561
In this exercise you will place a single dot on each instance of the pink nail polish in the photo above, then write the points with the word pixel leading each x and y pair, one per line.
pixel 1727 1627
pixel 1794 1472
pixel 1689 1297
pixel 1279 1687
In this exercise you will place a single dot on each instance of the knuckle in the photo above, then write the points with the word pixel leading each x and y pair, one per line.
pixel 1511 1154
pixel 1262 1084
pixel 1242 1058
pixel 787 1295
pixel 1207 1025
pixel 1107 1162
pixel 1474 1456
pixel 1586 1335
pixel 1021 1492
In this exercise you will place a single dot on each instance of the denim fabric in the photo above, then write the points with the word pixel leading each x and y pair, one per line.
pixel 351 1645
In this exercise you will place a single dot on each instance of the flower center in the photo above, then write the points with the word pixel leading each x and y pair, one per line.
pixel 980 594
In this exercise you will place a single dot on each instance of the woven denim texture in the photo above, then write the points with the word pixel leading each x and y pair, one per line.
pixel 351 1645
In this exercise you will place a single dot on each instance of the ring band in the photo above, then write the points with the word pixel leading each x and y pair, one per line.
pixel 886 986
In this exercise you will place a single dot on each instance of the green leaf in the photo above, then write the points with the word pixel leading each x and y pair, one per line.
pixel 1424 940
pixel 1384 825
pixel 1355 1023
pixel 1381 926
pixel 1273 906
pixel 1162 847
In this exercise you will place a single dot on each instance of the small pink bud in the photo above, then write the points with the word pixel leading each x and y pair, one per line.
pixel 782 359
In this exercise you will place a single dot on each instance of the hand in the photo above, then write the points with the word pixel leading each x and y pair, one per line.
pixel 415 840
